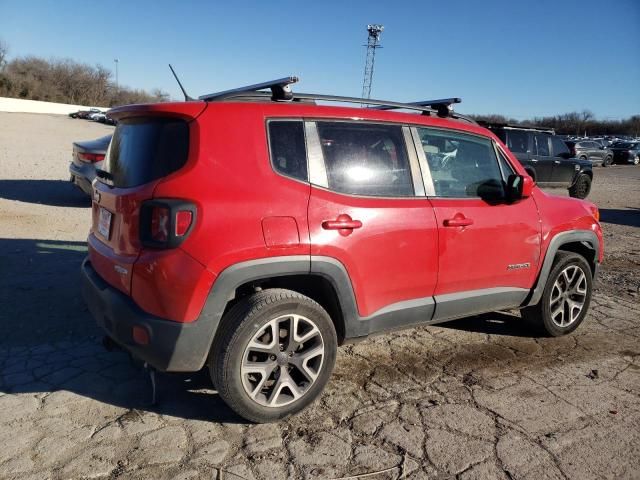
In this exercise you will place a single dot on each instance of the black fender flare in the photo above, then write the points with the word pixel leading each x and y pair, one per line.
pixel 586 237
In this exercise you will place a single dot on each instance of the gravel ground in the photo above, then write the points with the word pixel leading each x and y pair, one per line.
pixel 479 398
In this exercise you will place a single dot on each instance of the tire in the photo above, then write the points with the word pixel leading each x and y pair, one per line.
pixel 583 158
pixel 636 161
pixel 552 321
pixel 236 367
pixel 581 187
pixel 608 160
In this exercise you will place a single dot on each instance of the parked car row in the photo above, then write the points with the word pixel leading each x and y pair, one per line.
pixel 546 158
pixel 94 114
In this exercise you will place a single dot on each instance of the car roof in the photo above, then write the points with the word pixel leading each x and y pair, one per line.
pixel 193 109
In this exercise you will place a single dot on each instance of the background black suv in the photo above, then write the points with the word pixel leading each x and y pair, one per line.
pixel 590 150
pixel 546 158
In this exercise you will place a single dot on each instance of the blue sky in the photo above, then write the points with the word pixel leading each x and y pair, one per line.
pixel 516 58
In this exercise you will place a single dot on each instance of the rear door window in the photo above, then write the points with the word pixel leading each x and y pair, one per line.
pixel 541 144
pixel 145 149
pixel 366 159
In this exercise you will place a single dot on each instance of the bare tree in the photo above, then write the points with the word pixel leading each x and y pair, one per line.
pixel 4 51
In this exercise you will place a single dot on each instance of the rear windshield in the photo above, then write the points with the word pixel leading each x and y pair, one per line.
pixel 145 149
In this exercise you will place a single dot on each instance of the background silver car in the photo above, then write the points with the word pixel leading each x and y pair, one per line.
pixel 87 156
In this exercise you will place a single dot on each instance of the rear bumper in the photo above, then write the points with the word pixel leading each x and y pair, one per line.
pixel 172 346
pixel 82 177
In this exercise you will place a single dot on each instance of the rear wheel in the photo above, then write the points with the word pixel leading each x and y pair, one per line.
pixel 581 187
pixel 274 354
pixel 566 297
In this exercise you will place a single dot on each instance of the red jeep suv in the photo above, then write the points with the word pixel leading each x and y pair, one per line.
pixel 254 232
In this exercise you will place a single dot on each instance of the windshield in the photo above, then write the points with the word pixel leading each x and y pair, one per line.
pixel 145 149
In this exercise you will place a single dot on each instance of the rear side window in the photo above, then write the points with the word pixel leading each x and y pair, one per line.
pixel 366 159
pixel 287 147
pixel 559 147
pixel 145 149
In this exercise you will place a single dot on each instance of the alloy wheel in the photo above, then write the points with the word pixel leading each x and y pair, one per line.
pixel 568 296
pixel 282 360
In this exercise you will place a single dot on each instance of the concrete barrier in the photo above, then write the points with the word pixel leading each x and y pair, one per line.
pixel 35 106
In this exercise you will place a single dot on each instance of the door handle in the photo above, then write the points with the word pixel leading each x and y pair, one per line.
pixel 556 161
pixel 534 160
pixel 343 223
pixel 458 220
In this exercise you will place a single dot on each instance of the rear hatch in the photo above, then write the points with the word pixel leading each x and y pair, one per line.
pixel 145 148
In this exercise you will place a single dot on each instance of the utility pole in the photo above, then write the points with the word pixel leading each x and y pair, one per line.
pixel 373 42
pixel 117 84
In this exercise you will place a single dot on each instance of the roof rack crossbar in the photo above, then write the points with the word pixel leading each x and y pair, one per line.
pixel 280 90
pixel 442 106
pixel 508 126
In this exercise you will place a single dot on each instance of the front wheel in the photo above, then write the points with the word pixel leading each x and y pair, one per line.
pixel 581 187
pixel 566 296
pixel 607 161
pixel 273 354
pixel 636 160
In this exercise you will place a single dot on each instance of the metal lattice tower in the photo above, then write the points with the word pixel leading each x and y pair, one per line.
pixel 373 42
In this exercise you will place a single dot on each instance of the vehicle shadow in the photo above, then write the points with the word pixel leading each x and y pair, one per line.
pixel 494 323
pixel 57 193
pixel 49 341
pixel 629 217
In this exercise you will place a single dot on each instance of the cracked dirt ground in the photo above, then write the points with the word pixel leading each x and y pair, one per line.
pixel 480 398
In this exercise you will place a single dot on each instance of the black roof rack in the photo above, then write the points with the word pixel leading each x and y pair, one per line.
pixel 509 126
pixel 443 106
pixel 281 91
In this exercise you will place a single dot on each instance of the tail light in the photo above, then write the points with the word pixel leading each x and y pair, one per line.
pixel 166 223
pixel 90 157
pixel 573 151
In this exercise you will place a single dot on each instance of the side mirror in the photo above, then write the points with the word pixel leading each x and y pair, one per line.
pixel 519 187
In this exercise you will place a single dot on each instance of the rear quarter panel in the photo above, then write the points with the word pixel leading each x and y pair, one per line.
pixel 235 189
